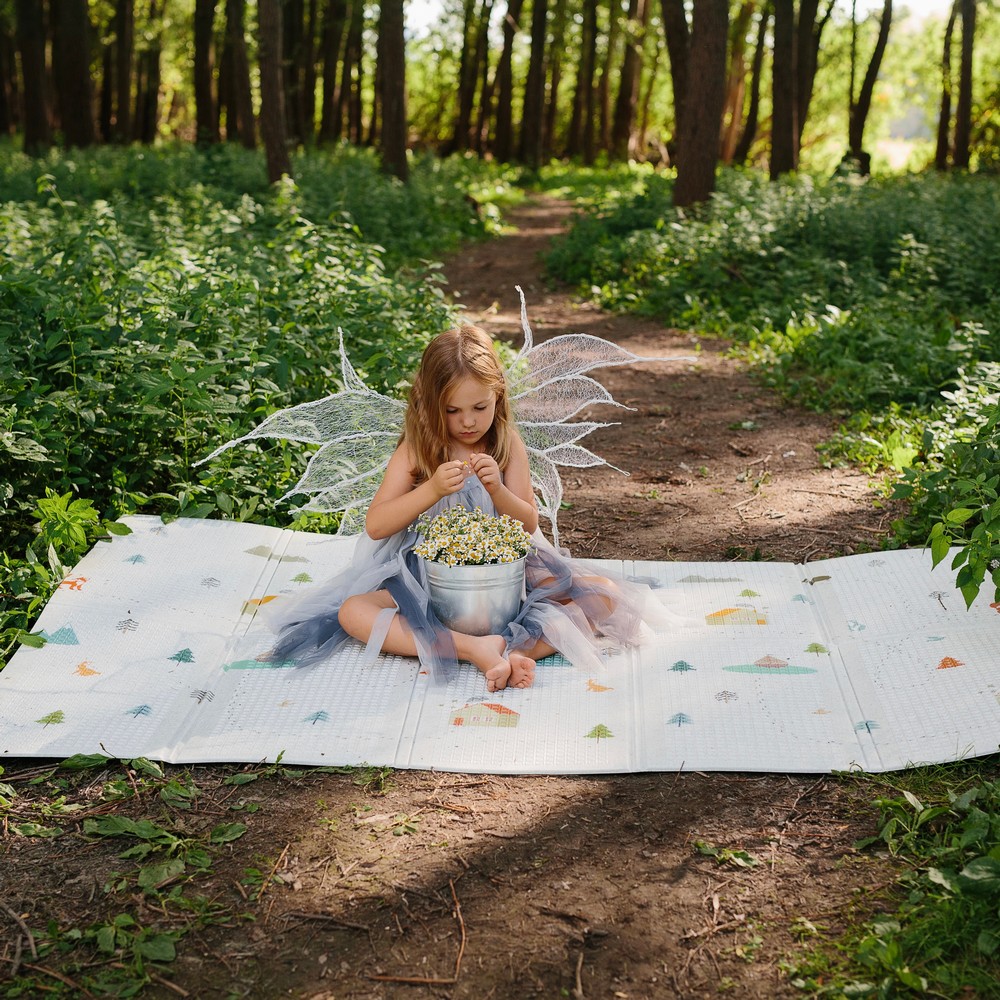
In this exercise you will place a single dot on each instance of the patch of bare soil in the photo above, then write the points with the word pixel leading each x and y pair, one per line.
pixel 462 886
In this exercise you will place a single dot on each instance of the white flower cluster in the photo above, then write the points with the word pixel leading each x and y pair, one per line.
pixel 461 537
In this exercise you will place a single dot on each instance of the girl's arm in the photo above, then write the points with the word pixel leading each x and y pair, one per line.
pixel 398 502
pixel 512 494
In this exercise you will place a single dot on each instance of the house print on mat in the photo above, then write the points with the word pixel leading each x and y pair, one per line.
pixel 768 665
pixel 736 616
pixel 485 714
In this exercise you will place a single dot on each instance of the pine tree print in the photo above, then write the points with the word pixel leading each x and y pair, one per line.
pixel 816 647
pixel 600 732
pixel 749 593
pixel 64 636
pixel 682 665
pixel 127 625
pixel 140 710
pixel 182 656
pixel 680 719
pixel 200 695
pixel 947 662
pixel 320 716
pixel 867 726
pixel 136 560
pixel 53 718
pixel 302 578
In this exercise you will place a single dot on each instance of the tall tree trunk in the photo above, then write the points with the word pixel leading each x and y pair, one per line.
pixel 71 70
pixel 678 35
pixel 742 152
pixel 942 152
pixel 7 78
pixel 468 75
pixel 736 80
pixel 481 131
pixel 604 84
pixel 334 20
pixel 556 52
pixel 784 113
pixel 810 33
pixel 503 142
pixel 147 88
pixel 532 151
pixel 31 44
pixel 353 71
pixel 105 97
pixel 240 122
pixel 706 93
pixel 309 73
pixel 582 115
pixel 393 78
pixel 124 57
pixel 206 114
pixel 272 101
pixel 860 108
pixel 963 109
pixel 628 83
pixel 292 19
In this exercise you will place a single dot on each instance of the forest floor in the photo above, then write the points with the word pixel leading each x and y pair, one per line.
pixel 478 886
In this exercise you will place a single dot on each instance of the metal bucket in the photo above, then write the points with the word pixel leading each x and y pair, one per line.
pixel 476 600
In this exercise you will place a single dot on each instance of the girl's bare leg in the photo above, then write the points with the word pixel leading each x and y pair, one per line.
pixel 357 616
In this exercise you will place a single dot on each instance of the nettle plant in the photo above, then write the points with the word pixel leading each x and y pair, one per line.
pixel 959 496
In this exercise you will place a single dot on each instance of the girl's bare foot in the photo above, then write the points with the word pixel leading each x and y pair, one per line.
pixel 486 653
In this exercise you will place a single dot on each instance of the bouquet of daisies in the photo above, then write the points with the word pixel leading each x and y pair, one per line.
pixel 461 537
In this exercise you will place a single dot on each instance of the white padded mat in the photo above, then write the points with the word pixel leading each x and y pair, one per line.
pixel 869 661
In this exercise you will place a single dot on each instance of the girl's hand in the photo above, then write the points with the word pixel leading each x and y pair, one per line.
pixel 486 468
pixel 447 479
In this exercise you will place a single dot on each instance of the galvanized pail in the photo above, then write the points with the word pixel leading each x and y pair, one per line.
pixel 476 600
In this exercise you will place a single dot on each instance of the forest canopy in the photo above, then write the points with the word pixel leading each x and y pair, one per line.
pixel 775 84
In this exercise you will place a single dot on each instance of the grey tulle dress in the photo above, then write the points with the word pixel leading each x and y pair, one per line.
pixel 573 606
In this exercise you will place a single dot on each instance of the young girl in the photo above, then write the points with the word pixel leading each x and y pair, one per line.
pixel 459 447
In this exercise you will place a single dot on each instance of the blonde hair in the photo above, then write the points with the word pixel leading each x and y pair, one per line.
pixel 463 352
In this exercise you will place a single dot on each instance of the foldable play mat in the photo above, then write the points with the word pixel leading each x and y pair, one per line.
pixel 869 661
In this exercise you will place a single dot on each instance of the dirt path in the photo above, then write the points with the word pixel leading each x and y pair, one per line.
pixel 518 887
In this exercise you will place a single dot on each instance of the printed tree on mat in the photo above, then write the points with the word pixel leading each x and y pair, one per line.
pixel 681 665
pixel 680 719
pixel 64 636
pixel 140 710
pixel 867 726
pixel 749 593
pixel 302 578
pixel 947 662
pixel 136 559
pixel 320 716
pixel 600 732
pixel 53 718
pixel 182 656
pixel 200 695
pixel 816 647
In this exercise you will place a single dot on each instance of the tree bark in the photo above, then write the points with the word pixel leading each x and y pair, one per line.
pixel 942 152
pixel 309 72
pixel 678 35
pixel 963 108
pixel 556 52
pixel 272 101
pixel 334 20
pixel 532 151
pixel 206 114
pixel 292 19
pixel 124 58
pixel 706 93
pixel 604 83
pixel 468 75
pixel 582 114
pixel 736 80
pixel 860 108
pixel 503 141
pixel 147 85
pixel 628 85
pixel 239 120
pixel 8 78
pixel 486 82
pixel 353 73
pixel 784 116
pixel 393 78
pixel 31 44
pixel 71 70
pixel 742 152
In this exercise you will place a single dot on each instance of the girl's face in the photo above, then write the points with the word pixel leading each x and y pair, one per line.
pixel 469 411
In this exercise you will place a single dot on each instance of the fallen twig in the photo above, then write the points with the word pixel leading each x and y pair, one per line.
pixel 430 981
pixel 24 928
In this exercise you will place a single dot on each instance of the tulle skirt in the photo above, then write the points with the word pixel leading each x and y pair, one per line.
pixel 575 607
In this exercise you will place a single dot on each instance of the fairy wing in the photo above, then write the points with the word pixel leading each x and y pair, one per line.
pixel 357 430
